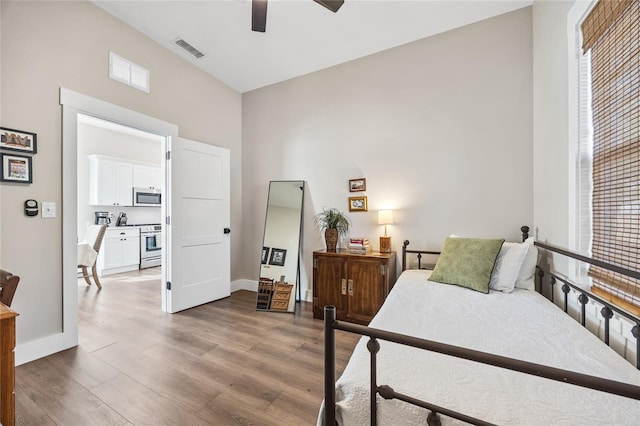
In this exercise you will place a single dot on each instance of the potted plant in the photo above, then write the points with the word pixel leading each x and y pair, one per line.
pixel 334 223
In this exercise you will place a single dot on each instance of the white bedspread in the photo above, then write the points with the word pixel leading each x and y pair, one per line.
pixel 522 325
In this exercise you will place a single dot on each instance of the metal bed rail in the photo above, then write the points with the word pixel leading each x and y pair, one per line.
pixel 387 392
pixel 608 310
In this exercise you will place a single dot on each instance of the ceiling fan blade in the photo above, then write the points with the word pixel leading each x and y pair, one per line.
pixel 332 5
pixel 259 15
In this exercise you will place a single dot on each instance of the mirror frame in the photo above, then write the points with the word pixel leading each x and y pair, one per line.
pixel 264 287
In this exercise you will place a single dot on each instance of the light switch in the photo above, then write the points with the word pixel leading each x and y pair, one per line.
pixel 48 209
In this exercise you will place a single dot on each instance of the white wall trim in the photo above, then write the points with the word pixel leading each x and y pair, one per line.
pixel 110 112
pixel 72 104
pixel 243 284
pixel 574 17
pixel 35 349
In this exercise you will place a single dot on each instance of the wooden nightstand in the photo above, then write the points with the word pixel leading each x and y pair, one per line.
pixel 356 284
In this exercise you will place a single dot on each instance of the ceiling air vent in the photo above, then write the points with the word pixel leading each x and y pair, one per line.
pixel 189 48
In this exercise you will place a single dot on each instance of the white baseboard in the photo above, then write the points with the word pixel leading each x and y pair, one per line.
pixel 244 285
pixel 36 349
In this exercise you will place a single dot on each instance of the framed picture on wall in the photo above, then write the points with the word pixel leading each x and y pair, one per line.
pixel 265 255
pixel 17 140
pixel 357 185
pixel 15 168
pixel 277 257
pixel 358 204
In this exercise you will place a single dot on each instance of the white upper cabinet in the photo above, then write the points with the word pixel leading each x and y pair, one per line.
pixel 147 177
pixel 110 182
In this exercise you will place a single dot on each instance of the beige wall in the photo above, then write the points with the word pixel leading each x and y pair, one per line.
pixel 441 129
pixel 46 45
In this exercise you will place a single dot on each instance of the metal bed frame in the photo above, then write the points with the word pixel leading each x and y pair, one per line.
pixel 387 392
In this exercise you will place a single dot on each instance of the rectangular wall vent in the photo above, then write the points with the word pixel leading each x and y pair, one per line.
pixel 189 48
pixel 125 71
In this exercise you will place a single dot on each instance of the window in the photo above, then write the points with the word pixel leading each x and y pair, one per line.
pixel 611 47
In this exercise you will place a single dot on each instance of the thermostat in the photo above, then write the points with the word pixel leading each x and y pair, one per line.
pixel 31 208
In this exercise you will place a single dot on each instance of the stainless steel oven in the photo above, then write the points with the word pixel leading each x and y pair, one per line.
pixel 150 246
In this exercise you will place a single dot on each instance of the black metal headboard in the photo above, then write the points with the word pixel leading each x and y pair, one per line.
pixel 420 253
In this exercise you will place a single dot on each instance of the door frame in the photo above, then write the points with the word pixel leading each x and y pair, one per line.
pixel 72 104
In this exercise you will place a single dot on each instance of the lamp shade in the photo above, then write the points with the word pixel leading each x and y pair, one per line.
pixel 385 217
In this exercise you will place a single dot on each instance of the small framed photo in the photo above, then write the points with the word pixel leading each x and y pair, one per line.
pixel 265 255
pixel 357 185
pixel 277 257
pixel 357 204
pixel 17 140
pixel 15 168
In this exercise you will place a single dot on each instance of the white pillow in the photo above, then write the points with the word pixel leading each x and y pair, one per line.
pixel 507 266
pixel 526 275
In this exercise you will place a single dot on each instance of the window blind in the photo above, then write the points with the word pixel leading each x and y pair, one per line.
pixel 612 32
pixel 600 19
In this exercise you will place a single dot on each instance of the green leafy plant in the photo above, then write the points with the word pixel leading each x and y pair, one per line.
pixel 332 219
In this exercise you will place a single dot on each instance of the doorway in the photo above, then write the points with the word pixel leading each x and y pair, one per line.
pixel 111 160
pixel 73 104
pixel 197 190
pixel 199 174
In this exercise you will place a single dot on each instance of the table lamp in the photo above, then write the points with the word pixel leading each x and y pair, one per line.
pixel 385 217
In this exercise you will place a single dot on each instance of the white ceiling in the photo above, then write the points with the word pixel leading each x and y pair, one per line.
pixel 301 35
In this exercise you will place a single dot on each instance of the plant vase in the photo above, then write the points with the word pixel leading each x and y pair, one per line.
pixel 331 239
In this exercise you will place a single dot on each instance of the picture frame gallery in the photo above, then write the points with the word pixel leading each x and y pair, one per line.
pixel 17 168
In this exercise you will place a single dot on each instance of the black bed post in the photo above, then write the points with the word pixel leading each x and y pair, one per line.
pixel 607 314
pixel 525 233
pixel 374 347
pixel 566 290
pixel 635 331
pixel 329 366
pixel 404 254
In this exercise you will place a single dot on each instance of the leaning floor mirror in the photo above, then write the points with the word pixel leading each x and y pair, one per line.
pixel 278 287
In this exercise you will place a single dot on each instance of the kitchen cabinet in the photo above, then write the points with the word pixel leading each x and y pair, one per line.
pixel 356 284
pixel 120 251
pixel 147 176
pixel 110 181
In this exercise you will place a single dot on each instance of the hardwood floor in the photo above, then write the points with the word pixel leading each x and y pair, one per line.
pixel 221 363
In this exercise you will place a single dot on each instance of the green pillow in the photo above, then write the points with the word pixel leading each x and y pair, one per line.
pixel 467 262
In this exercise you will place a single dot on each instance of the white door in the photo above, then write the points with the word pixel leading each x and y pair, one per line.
pixel 197 248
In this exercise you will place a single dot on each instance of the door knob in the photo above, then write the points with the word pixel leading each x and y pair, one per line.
pixel 227 230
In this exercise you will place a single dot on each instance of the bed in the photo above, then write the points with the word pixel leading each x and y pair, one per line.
pixel 520 325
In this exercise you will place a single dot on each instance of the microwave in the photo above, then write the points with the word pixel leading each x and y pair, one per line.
pixel 145 197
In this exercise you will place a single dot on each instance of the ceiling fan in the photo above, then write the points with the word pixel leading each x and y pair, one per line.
pixel 259 12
